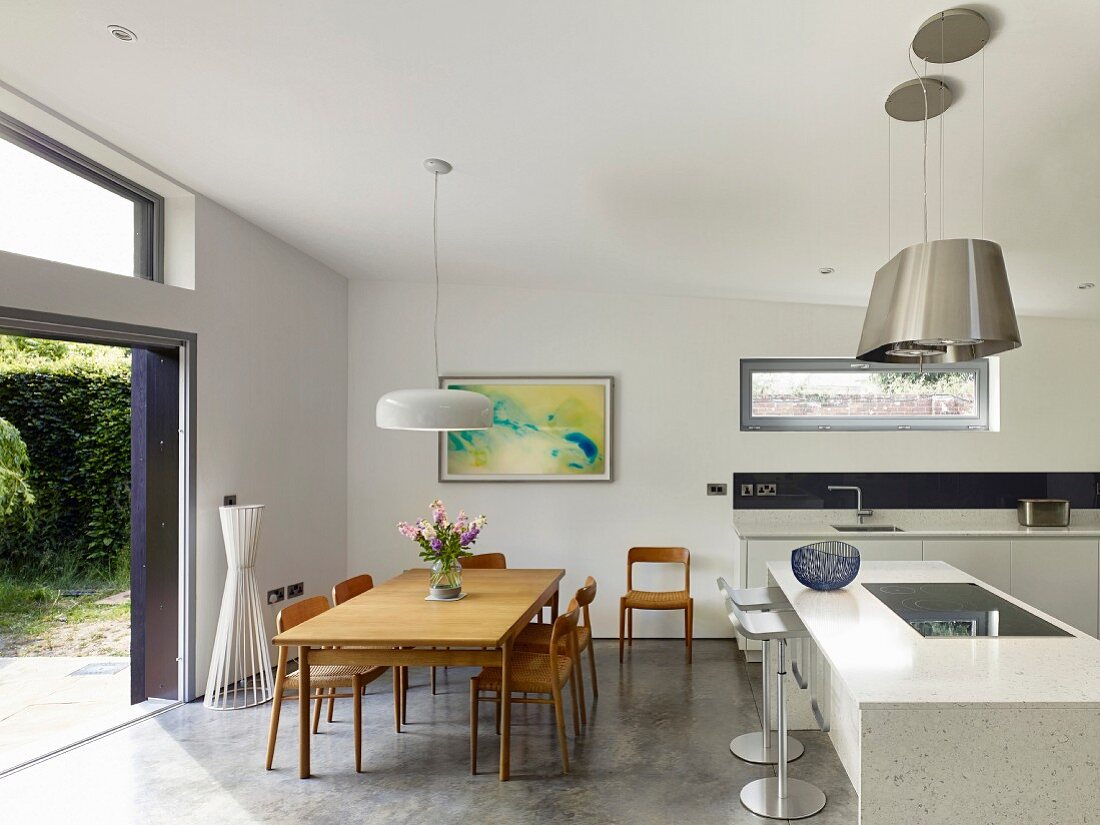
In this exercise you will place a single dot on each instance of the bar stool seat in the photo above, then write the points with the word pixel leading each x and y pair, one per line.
pixel 778 797
pixel 760 747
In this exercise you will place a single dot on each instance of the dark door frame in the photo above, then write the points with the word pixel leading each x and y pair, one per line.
pixel 28 322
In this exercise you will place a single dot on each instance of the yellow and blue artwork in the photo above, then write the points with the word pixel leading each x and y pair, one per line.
pixel 544 429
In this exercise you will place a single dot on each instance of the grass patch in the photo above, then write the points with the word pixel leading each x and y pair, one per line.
pixel 61 618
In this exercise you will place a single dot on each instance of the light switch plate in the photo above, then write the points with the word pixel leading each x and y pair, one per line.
pixel 716 489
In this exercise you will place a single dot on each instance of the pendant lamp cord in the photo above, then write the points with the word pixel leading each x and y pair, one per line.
pixel 924 91
pixel 435 265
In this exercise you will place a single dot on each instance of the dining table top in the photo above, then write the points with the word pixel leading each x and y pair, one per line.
pixel 396 612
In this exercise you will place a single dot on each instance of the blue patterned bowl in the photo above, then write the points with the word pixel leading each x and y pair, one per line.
pixel 825 565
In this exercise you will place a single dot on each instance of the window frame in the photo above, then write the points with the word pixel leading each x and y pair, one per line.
pixel 148 205
pixel 865 423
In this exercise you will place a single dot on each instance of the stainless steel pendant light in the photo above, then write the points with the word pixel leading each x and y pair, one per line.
pixel 946 300
pixel 435 409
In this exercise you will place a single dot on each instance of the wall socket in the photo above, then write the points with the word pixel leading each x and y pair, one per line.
pixel 715 489
pixel 277 595
pixel 746 490
pixel 295 590
pixel 229 500
pixel 765 489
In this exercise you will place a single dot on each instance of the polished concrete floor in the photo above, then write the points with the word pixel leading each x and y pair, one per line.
pixel 655 752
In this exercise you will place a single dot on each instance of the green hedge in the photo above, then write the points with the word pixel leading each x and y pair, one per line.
pixel 71 404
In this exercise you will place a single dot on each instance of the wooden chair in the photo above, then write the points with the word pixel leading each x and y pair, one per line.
pixel 537 673
pixel 535 638
pixel 478 561
pixel 322 677
pixel 659 600
pixel 349 589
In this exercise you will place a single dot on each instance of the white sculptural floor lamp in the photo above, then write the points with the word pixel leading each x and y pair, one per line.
pixel 240 667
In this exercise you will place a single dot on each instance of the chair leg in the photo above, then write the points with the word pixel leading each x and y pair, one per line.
pixel 592 667
pixel 404 696
pixel 573 699
pixel 622 631
pixel 396 698
pixel 319 693
pixel 578 677
pixel 559 716
pixel 689 620
pixel 277 704
pixel 432 679
pixel 500 709
pixel 630 627
pixel 357 693
pixel 473 724
pixel 331 702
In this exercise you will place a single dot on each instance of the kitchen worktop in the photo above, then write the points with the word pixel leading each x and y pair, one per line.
pixel 915 524
pixel 886 664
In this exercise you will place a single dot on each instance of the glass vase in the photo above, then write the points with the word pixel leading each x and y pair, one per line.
pixel 445 581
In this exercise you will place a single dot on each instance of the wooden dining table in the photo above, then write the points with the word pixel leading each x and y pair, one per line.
pixel 393 624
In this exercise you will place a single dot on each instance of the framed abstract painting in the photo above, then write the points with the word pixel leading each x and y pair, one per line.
pixel 544 429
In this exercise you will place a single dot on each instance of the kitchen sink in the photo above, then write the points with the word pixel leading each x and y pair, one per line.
pixel 866 528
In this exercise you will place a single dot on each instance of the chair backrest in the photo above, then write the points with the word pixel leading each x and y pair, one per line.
pixel 294 614
pixel 484 561
pixel 585 596
pixel 658 555
pixel 564 631
pixel 350 588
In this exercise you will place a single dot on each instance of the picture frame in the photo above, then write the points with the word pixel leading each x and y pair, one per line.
pixel 546 428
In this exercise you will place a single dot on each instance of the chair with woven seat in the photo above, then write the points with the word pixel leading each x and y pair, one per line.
pixel 321 677
pixel 534 673
pixel 345 591
pixel 478 561
pixel 655 600
pixel 536 637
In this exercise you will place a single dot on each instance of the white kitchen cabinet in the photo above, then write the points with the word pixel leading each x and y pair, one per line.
pixel 1060 576
pixel 986 559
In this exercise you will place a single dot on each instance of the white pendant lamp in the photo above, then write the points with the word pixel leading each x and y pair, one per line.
pixel 434 410
pixel 946 300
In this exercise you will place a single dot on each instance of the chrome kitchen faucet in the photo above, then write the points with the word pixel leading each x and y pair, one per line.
pixel 860 512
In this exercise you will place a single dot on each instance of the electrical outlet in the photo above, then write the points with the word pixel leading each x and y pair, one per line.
pixel 765 489
pixel 277 595
pixel 714 489
pixel 229 500
pixel 295 590
pixel 746 489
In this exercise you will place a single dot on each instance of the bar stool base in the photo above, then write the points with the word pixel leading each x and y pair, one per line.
pixel 749 747
pixel 762 798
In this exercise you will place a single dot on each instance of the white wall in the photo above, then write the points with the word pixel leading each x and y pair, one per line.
pixel 272 390
pixel 676 365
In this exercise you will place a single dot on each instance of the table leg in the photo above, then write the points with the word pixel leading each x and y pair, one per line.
pixel 505 710
pixel 303 712
pixel 554 606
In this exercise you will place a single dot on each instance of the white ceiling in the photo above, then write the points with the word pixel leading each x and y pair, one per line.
pixel 692 147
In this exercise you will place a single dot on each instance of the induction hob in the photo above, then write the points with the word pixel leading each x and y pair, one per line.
pixel 959 609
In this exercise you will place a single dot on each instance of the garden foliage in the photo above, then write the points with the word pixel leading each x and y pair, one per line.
pixel 71 405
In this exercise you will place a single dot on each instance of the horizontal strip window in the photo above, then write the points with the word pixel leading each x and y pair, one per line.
pixel 822 394
pixel 58 205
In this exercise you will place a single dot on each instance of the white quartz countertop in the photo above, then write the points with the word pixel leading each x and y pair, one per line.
pixel 883 662
pixel 818 530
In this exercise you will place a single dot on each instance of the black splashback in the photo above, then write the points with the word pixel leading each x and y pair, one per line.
pixel 914 491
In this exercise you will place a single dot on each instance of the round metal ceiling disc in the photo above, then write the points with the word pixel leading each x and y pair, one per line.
pixel 906 102
pixel 437 166
pixel 950 36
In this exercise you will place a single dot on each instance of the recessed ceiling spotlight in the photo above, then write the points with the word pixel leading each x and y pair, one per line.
pixel 826 270
pixel 122 33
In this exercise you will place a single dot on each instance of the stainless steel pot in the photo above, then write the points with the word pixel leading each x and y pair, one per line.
pixel 1043 512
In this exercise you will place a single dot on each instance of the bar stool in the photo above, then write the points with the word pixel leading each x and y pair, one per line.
pixel 777 797
pixel 760 748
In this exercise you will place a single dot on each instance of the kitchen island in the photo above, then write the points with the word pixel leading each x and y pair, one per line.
pixel 959 730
